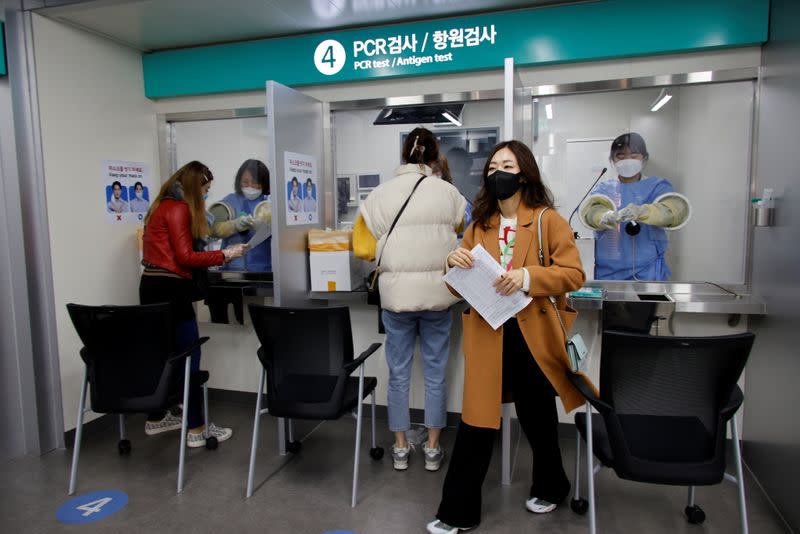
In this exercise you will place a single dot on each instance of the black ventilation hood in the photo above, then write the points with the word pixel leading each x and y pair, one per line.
pixel 427 114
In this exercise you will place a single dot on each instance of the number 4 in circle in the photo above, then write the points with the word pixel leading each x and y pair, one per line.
pixel 329 57
pixel 93 507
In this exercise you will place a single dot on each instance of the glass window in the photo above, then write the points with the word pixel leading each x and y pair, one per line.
pixel 673 202
pixel 239 200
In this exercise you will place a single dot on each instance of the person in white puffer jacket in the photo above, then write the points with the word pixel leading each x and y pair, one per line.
pixel 414 299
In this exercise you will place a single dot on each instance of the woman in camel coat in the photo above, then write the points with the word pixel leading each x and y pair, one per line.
pixel 525 359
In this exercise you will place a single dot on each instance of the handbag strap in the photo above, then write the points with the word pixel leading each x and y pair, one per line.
pixel 399 213
pixel 551 298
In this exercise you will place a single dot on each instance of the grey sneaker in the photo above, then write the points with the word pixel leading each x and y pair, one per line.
pixel 433 457
pixel 199 440
pixel 170 422
pixel 400 456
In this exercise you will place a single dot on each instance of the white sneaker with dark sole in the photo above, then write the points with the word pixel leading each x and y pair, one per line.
pixel 539 506
pixel 170 422
pixel 199 440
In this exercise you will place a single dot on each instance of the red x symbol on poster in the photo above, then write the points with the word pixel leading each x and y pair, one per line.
pixel 119 217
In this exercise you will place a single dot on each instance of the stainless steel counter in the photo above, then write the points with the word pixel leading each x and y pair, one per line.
pixel 349 296
pixel 683 297
pixel 672 297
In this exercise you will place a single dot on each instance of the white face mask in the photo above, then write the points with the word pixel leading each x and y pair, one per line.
pixel 140 195
pixel 628 168
pixel 251 193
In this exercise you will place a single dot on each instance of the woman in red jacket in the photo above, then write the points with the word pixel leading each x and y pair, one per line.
pixel 174 233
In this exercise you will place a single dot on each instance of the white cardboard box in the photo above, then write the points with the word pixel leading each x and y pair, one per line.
pixel 330 271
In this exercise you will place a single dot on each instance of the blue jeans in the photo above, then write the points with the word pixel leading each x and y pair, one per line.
pixel 402 328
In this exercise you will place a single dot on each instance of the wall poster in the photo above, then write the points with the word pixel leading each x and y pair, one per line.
pixel 126 190
pixel 301 189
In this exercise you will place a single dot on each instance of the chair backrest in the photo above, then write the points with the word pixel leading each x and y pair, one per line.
pixel 125 349
pixel 667 394
pixel 305 348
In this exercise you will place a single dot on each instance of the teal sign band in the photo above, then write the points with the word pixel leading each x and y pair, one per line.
pixel 3 68
pixel 560 34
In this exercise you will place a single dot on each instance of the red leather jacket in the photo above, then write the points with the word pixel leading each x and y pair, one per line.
pixel 167 241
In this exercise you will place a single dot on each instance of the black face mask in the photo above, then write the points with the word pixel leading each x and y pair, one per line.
pixel 502 185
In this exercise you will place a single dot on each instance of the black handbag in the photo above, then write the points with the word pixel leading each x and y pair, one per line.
pixel 373 290
pixel 371 281
pixel 200 274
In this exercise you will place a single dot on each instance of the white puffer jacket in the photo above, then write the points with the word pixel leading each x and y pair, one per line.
pixel 412 260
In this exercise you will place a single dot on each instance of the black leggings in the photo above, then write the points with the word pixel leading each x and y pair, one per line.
pixel 534 398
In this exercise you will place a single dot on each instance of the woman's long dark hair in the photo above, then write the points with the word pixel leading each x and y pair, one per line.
pixel 420 147
pixel 534 192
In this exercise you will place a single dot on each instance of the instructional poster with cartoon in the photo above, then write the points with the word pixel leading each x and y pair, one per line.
pixel 302 206
pixel 126 190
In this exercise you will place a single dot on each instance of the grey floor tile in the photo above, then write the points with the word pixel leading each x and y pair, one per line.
pixel 310 492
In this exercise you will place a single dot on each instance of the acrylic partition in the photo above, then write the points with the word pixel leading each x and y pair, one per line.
pixel 699 144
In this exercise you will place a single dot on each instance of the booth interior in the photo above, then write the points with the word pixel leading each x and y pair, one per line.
pixel 698 145
pixel 293 159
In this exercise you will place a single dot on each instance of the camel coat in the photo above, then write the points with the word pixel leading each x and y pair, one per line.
pixel 483 347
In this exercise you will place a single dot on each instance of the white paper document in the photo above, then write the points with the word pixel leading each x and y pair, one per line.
pixel 263 231
pixel 476 286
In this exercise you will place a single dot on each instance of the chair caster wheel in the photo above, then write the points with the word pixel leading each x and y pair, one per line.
pixel 294 447
pixel 124 447
pixel 579 506
pixel 695 515
pixel 212 443
pixel 376 453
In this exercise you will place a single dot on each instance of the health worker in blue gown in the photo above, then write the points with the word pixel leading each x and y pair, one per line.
pixel 239 214
pixel 631 216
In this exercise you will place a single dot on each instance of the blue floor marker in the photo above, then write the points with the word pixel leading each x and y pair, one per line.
pixel 92 506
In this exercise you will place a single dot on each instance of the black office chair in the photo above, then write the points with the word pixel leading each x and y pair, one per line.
pixel 307 359
pixel 132 366
pixel 663 406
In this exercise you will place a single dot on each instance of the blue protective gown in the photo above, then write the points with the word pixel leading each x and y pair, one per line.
pixel 260 258
pixel 614 257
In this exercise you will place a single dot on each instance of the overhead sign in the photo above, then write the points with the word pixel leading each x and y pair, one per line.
pixel 537 36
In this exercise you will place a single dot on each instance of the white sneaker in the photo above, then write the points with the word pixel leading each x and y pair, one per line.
pixel 539 506
pixel 433 457
pixel 199 439
pixel 437 527
pixel 170 422
pixel 400 456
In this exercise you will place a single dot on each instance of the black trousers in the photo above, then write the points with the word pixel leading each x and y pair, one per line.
pixel 177 292
pixel 534 398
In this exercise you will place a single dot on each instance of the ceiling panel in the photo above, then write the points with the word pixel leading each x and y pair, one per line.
pixel 162 24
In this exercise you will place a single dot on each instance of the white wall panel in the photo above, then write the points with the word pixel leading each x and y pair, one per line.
pixel 92 109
